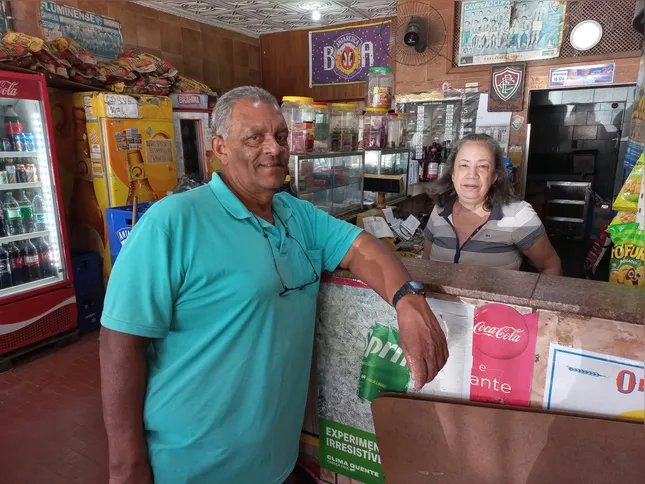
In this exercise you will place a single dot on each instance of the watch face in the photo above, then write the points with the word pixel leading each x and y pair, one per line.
pixel 417 286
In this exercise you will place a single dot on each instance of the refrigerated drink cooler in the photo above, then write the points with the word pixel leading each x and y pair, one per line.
pixel 37 299
pixel 190 117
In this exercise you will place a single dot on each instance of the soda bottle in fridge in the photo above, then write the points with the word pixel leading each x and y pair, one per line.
pixel 47 268
pixel 30 262
pixel 10 168
pixel 12 216
pixel 3 229
pixel 12 122
pixel 15 260
pixel 5 268
pixel 27 212
pixel 39 212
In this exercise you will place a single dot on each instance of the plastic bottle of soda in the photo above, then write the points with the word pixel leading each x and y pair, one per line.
pixel 12 216
pixel 3 228
pixel 30 262
pixel 12 122
pixel 27 212
pixel 47 268
pixel 5 268
pixel 39 212
pixel 15 260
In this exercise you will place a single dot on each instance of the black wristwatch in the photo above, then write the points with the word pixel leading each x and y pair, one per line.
pixel 410 287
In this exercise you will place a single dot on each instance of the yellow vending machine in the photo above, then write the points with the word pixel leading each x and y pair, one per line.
pixel 131 152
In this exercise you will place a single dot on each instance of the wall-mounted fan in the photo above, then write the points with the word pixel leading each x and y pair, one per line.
pixel 420 34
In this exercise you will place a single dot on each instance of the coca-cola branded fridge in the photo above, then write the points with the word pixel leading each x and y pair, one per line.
pixel 37 299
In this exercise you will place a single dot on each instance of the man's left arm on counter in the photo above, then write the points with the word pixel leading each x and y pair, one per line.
pixel 347 246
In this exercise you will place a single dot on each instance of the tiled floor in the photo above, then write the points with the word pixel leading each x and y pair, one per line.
pixel 51 427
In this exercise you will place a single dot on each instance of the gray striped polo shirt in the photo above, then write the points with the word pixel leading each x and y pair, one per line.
pixel 509 231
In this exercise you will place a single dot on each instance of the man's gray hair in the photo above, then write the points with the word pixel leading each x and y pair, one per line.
pixel 221 118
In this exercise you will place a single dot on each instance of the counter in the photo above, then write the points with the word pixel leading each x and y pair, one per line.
pixel 515 338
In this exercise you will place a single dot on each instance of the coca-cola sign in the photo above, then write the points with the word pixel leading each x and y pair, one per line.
pixel 500 332
pixel 8 88
pixel 503 354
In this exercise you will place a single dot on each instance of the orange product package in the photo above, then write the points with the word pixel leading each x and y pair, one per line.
pixel 73 52
pixel 36 46
pixel 189 85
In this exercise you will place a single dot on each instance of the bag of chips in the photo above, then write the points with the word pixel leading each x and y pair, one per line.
pixel 188 85
pixel 627 199
pixel 73 52
pixel 627 264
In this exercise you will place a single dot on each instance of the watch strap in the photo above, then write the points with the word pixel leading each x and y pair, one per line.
pixel 406 289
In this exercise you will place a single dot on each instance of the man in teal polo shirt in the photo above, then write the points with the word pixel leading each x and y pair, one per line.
pixel 209 315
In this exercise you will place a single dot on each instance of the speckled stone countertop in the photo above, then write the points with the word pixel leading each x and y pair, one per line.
pixel 561 294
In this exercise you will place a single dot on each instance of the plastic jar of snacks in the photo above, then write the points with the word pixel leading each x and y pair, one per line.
pixel 380 87
pixel 344 127
pixel 393 131
pixel 321 131
pixel 375 129
pixel 299 114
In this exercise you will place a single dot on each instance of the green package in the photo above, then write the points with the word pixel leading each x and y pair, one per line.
pixel 384 367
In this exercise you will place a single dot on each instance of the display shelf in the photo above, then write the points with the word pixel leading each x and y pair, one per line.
pixel 18 154
pixel 22 288
pixel 322 189
pixel 340 177
pixel 564 201
pixel 17 238
pixel 20 186
pixel 566 219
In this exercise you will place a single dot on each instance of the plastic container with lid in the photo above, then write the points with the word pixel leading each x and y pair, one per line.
pixel 375 129
pixel 344 127
pixel 403 119
pixel 380 87
pixel 299 114
pixel 321 131
pixel 393 131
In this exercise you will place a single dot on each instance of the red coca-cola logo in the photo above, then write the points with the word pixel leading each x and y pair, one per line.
pixel 8 88
pixel 500 332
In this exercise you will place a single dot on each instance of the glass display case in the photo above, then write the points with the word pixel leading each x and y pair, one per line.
pixel 333 182
pixel 387 162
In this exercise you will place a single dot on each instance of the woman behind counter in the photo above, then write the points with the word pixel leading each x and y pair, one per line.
pixel 477 219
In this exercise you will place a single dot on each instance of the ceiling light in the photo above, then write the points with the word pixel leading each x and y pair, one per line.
pixel 586 35
pixel 315 15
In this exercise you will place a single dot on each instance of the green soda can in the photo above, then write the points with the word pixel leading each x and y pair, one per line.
pixel 384 367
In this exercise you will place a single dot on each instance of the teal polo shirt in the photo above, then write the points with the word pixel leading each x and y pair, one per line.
pixel 229 358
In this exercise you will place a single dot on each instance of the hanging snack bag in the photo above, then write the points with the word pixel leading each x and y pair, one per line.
pixel 384 367
pixel 628 254
pixel 627 199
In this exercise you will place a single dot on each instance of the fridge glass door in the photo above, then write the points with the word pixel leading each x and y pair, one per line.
pixel 31 239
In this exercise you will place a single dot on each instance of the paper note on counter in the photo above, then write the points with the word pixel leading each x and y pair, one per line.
pixel 378 227
pixel 410 226
pixel 389 216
